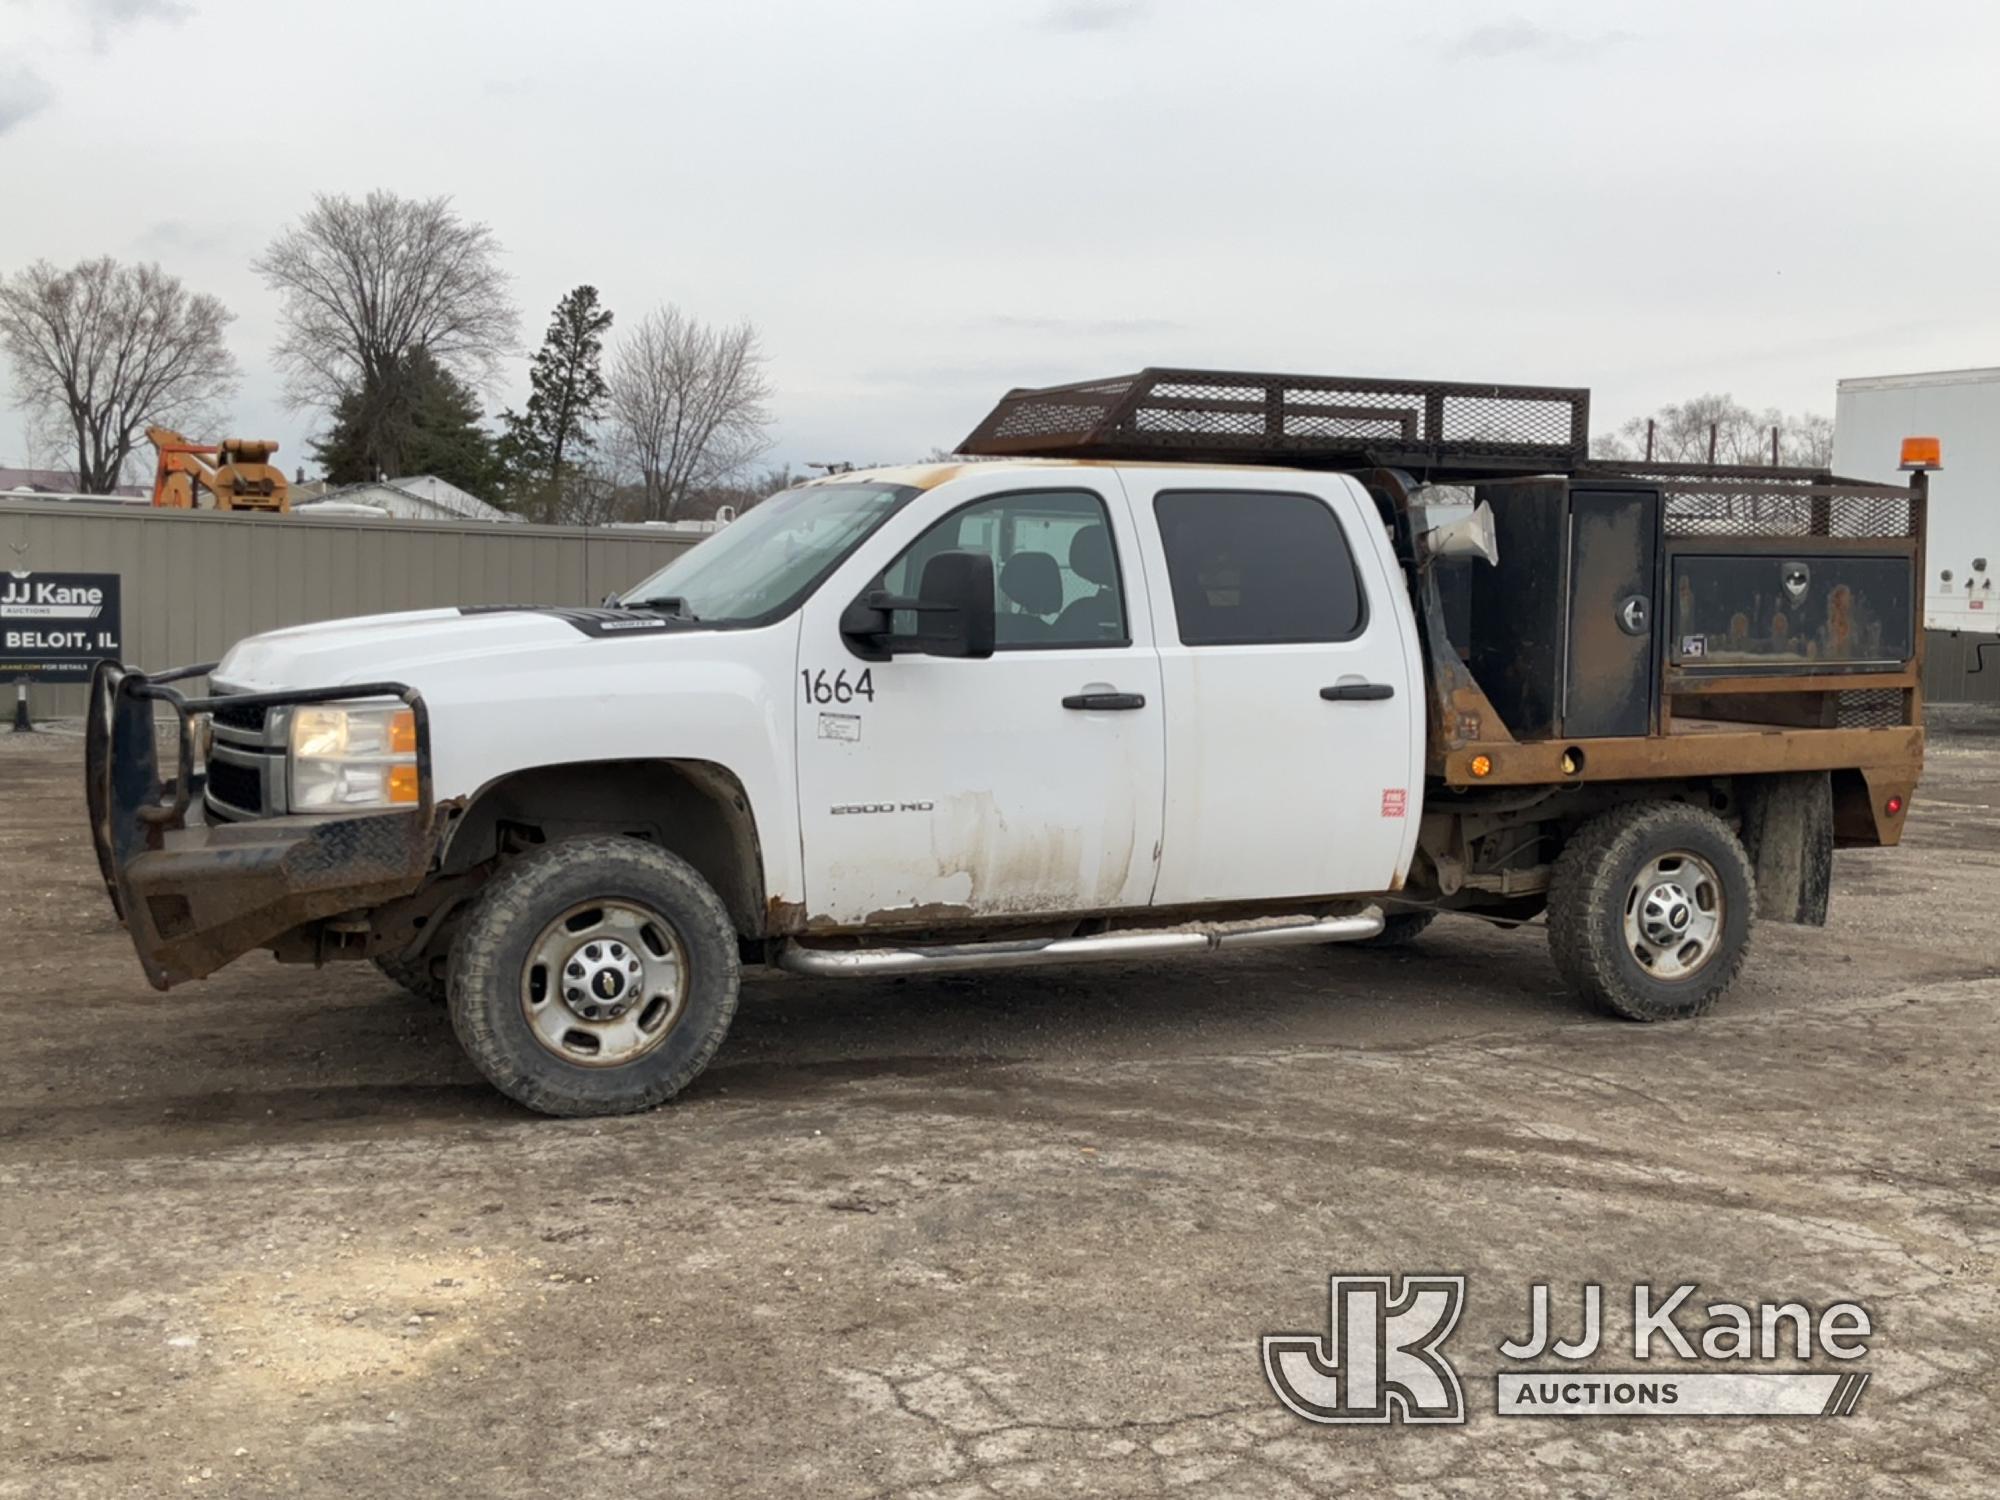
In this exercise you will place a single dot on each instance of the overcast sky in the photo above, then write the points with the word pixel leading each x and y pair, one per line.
pixel 923 202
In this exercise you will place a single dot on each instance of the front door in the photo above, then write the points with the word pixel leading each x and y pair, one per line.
pixel 1295 706
pixel 941 791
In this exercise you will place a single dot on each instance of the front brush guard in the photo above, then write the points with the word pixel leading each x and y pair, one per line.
pixel 194 895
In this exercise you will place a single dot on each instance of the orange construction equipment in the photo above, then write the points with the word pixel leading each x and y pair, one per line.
pixel 244 480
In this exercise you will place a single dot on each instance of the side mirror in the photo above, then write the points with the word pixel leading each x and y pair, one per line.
pixel 953 609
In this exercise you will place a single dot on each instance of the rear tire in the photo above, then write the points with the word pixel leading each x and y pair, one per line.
pixel 1650 911
pixel 423 976
pixel 596 976
pixel 1398 928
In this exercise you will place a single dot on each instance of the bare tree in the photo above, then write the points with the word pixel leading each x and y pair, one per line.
pixel 1809 440
pixel 590 495
pixel 102 349
pixel 367 285
pixel 1688 431
pixel 689 405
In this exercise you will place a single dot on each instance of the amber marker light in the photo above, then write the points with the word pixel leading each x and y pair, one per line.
pixel 1921 454
pixel 1482 765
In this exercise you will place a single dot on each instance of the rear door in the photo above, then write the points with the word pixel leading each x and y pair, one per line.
pixel 1293 690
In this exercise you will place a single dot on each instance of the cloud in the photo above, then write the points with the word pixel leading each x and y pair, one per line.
pixel 106 17
pixel 23 92
pixel 125 12
pixel 182 237
pixel 1094 15
pixel 1523 38
pixel 1089 327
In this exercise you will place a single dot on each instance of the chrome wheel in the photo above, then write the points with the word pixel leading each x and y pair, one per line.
pixel 1674 915
pixel 604 983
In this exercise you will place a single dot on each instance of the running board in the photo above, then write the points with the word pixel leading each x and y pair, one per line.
pixel 864 962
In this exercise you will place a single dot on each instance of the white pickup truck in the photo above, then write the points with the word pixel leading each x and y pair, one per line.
pixel 961 715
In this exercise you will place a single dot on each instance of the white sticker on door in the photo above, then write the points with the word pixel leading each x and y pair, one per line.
pixel 840 727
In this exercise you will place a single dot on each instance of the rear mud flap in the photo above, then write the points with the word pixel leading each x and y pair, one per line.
pixel 1788 834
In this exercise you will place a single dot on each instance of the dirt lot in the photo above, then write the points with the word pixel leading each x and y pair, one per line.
pixel 271 1236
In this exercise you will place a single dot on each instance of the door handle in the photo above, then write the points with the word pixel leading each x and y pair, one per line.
pixel 1358 692
pixel 1104 702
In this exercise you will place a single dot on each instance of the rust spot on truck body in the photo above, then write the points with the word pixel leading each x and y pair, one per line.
pixel 919 914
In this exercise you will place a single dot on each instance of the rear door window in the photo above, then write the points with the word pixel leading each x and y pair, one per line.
pixel 1254 568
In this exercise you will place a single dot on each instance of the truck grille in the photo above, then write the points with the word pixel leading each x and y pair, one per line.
pixel 249 719
pixel 242 762
pixel 239 788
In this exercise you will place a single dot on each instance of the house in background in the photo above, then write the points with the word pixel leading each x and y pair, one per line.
pixel 57 482
pixel 419 497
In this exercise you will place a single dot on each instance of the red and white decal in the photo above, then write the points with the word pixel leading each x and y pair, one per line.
pixel 1395 802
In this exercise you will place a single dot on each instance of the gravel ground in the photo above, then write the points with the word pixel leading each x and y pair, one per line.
pixel 271 1236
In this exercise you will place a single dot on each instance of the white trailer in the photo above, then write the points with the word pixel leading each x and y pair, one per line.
pixel 1961 408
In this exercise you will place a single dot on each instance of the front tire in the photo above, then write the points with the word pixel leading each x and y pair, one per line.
pixel 1650 911
pixel 596 976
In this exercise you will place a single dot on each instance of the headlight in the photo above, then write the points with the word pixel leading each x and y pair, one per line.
pixel 353 757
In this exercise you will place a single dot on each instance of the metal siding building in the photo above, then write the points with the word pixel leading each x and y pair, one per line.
pixel 1961 606
pixel 196 582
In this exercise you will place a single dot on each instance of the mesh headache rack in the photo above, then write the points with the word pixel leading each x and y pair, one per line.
pixel 1314 421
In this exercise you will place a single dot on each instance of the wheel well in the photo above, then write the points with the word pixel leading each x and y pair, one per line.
pixel 1496 852
pixel 695 808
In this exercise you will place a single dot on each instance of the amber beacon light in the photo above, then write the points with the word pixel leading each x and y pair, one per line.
pixel 1921 455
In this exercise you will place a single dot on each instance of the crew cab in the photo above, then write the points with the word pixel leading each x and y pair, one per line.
pixel 1093 694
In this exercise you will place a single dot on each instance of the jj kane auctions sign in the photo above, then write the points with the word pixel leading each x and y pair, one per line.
pixel 54 627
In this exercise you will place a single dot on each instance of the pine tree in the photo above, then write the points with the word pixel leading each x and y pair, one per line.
pixel 542 445
pixel 419 418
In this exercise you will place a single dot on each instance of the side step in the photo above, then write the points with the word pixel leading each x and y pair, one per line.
pixel 866 962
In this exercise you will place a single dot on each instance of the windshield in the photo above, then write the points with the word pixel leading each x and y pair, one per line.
pixel 761 565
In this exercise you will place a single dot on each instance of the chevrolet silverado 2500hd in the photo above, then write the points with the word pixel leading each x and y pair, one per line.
pixel 1189 662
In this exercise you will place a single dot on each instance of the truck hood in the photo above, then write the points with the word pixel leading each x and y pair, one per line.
pixel 396 647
